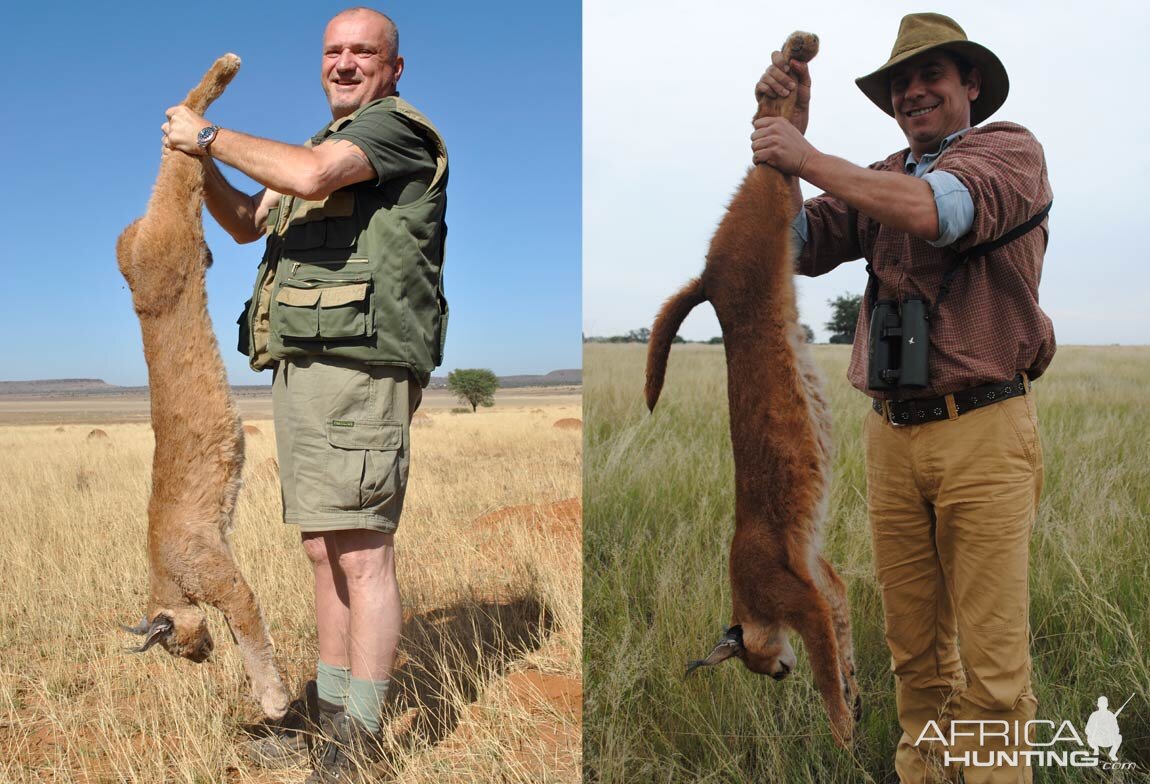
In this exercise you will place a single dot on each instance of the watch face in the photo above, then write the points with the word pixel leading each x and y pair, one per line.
pixel 205 136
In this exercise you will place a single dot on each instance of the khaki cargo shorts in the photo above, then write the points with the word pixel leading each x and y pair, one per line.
pixel 342 437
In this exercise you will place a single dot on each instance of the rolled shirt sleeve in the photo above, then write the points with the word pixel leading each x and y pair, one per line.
pixel 1005 173
pixel 800 230
pixel 954 205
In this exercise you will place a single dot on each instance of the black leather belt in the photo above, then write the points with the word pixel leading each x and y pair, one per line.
pixel 916 412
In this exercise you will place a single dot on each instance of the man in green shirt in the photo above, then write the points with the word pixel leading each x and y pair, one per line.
pixel 361 203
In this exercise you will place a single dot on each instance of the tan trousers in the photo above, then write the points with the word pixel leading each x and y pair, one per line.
pixel 952 504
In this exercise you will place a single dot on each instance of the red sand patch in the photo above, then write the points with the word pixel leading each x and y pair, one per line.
pixel 533 689
pixel 569 424
pixel 252 430
pixel 565 517
pixel 97 435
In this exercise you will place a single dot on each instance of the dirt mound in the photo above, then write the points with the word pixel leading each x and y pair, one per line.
pixel 268 471
pixel 252 430
pixel 568 424
pixel 563 517
pixel 98 435
pixel 531 688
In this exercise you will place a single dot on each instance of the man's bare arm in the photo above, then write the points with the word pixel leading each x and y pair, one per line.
pixel 895 200
pixel 242 216
pixel 307 172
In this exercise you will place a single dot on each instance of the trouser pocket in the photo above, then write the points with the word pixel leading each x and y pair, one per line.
pixel 362 464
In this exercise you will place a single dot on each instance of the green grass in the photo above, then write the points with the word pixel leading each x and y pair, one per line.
pixel 659 503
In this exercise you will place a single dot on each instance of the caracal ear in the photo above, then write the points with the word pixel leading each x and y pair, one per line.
pixel 730 644
pixel 159 630
pixel 140 628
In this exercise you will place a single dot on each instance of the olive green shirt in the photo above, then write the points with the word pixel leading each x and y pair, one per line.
pixel 404 163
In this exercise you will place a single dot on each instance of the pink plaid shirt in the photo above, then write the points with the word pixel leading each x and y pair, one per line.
pixel 989 326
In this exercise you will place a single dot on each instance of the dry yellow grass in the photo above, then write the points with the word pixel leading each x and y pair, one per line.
pixel 489 685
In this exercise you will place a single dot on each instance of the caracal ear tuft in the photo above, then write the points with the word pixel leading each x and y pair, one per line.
pixel 730 644
pixel 159 630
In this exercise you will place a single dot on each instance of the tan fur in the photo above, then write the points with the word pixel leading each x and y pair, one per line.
pixel 199 441
pixel 780 431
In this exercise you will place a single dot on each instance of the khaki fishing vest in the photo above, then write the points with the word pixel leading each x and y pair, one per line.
pixel 355 276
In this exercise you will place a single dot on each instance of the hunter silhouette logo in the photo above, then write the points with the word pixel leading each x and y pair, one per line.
pixel 1036 743
pixel 1102 728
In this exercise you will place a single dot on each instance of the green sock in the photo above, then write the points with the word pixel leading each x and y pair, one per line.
pixel 332 683
pixel 365 701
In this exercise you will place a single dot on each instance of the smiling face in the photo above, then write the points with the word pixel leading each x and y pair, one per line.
pixel 359 61
pixel 931 100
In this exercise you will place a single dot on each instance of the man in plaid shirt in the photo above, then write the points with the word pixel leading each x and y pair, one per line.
pixel 954 470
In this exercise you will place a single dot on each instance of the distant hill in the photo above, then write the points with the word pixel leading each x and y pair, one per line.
pixel 91 387
pixel 58 387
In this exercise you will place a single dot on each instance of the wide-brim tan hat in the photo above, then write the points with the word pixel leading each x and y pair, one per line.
pixel 919 33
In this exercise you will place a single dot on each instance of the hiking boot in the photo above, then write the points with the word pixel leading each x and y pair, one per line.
pixel 346 754
pixel 288 742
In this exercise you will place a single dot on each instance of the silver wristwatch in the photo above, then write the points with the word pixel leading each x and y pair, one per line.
pixel 206 136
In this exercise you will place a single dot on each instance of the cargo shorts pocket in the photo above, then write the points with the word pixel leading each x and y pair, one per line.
pixel 306 311
pixel 362 468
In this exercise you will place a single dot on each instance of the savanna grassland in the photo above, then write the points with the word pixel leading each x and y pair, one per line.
pixel 658 522
pixel 488 686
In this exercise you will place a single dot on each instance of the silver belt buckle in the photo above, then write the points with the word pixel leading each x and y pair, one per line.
pixel 890 415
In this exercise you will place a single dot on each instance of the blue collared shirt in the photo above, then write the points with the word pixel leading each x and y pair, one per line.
pixel 951 199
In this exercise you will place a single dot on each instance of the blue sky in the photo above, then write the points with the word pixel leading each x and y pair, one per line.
pixel 85 90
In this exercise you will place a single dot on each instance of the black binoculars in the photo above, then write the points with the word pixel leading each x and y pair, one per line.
pixel 897 352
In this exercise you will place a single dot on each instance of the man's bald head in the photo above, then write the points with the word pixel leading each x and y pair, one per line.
pixel 391 32
pixel 361 59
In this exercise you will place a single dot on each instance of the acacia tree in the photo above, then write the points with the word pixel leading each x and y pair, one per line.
pixel 474 386
pixel 844 317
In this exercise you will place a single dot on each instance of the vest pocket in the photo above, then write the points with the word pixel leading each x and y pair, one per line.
pixel 244 344
pixel 324 310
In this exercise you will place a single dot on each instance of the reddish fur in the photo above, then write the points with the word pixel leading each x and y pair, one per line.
pixel 780 431
pixel 199 442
